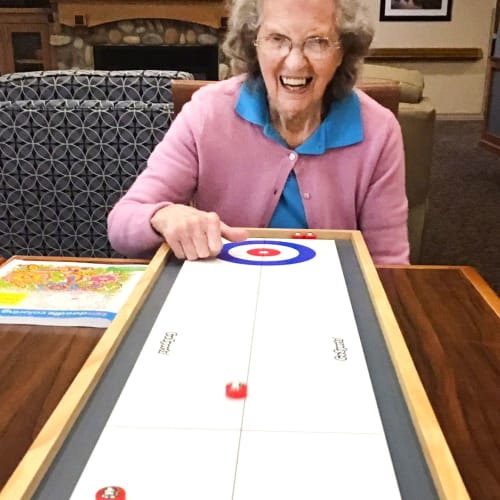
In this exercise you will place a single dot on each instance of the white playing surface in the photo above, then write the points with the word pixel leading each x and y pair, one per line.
pixel 309 427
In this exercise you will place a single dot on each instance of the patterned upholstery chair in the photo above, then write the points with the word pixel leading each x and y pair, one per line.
pixel 145 85
pixel 64 162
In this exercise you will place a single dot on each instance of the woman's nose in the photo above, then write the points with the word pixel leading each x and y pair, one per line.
pixel 295 58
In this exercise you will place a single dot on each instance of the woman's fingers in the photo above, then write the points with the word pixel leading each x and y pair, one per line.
pixel 194 234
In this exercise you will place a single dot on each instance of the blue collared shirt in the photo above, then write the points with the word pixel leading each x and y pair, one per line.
pixel 341 127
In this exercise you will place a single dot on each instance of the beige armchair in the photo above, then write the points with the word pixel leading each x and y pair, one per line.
pixel 417 116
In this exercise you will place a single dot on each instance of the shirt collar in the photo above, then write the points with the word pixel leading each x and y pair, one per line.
pixel 341 127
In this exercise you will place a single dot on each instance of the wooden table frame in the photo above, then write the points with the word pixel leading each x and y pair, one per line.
pixel 447 479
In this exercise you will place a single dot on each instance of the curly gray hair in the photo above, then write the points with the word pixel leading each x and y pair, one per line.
pixel 353 27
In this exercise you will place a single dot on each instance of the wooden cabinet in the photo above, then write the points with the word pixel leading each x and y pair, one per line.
pixel 491 130
pixel 24 38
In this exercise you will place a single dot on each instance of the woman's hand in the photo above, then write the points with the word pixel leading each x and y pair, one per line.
pixel 193 234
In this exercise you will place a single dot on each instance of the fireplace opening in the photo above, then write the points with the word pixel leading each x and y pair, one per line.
pixel 200 60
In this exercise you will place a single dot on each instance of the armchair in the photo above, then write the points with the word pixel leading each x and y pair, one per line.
pixel 65 162
pixel 79 84
pixel 417 116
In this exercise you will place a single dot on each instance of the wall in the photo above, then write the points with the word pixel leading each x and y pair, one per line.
pixel 455 87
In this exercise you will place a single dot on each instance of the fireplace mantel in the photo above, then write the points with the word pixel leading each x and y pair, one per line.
pixel 92 13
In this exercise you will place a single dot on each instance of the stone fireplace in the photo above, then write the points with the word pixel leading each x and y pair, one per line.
pixel 180 35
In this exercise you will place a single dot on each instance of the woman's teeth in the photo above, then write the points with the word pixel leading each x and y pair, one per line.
pixel 294 82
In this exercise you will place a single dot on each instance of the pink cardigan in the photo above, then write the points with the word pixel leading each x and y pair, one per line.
pixel 226 165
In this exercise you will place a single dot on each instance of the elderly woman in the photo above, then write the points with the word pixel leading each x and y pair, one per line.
pixel 286 143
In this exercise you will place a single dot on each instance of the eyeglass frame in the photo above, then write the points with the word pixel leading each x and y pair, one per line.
pixel 291 44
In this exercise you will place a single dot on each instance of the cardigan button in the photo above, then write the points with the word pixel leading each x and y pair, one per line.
pixel 292 156
pixel 306 196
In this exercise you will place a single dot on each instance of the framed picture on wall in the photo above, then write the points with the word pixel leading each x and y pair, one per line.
pixel 415 10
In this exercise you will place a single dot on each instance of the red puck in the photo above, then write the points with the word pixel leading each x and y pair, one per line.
pixel 110 493
pixel 236 390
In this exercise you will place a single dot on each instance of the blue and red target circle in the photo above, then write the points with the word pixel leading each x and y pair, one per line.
pixel 265 253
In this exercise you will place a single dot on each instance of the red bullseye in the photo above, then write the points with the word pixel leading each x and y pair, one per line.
pixel 263 252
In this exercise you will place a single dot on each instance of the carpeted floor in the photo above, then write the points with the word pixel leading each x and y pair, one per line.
pixel 463 220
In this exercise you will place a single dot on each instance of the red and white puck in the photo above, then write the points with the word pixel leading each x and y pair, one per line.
pixel 236 390
pixel 110 493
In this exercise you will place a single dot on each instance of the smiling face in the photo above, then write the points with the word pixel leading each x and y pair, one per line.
pixel 295 84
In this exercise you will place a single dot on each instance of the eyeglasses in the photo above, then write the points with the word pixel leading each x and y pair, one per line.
pixel 316 47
